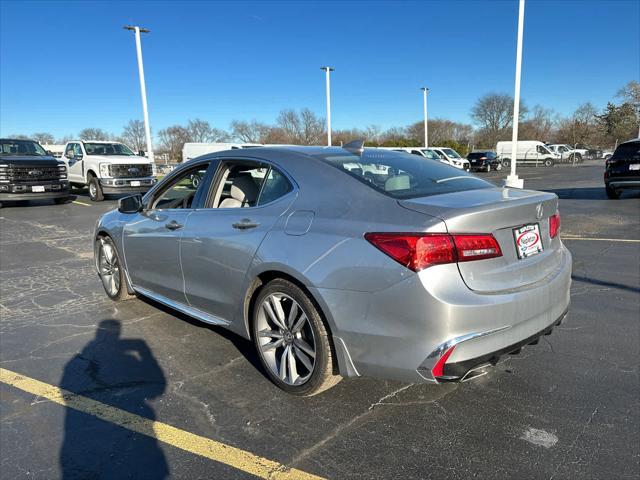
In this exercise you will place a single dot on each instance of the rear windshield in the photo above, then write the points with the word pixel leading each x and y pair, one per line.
pixel 403 175
pixel 627 151
pixel 474 155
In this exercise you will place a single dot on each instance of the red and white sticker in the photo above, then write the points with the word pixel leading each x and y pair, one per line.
pixel 528 241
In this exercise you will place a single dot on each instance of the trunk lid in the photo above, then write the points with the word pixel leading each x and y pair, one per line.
pixel 498 211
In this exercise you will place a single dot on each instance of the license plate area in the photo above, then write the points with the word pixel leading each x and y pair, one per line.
pixel 135 183
pixel 37 188
pixel 528 241
pixel 634 166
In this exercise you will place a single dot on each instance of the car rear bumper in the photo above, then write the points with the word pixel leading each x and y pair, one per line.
pixel 398 333
pixel 623 183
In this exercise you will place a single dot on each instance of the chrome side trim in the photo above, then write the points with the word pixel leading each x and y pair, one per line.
pixel 443 347
pixel 192 312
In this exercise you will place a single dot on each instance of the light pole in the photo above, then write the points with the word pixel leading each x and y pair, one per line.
pixel 143 89
pixel 327 72
pixel 512 179
pixel 425 90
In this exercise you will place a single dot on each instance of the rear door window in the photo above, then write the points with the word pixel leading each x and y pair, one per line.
pixel 403 176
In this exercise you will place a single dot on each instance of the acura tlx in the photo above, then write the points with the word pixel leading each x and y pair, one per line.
pixel 344 261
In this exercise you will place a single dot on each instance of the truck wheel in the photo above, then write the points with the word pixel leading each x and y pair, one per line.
pixel 548 162
pixel 506 162
pixel 612 193
pixel 95 190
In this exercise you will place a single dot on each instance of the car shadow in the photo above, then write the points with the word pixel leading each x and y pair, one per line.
pixel 605 283
pixel 122 373
pixel 589 193
pixel 245 347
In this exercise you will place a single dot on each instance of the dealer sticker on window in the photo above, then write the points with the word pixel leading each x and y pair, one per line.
pixel 528 241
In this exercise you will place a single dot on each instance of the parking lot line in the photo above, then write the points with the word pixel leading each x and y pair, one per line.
pixel 189 442
pixel 598 239
pixel 81 203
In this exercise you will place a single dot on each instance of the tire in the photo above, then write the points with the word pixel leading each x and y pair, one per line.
pixel 612 193
pixel 506 162
pixel 488 169
pixel 304 344
pixel 110 270
pixel 62 200
pixel 95 190
pixel 548 162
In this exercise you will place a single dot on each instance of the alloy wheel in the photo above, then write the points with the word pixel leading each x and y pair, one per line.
pixel 286 339
pixel 109 268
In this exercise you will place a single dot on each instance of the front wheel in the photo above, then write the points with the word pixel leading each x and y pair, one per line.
pixel 506 162
pixel 95 190
pixel 548 162
pixel 111 271
pixel 488 167
pixel 292 341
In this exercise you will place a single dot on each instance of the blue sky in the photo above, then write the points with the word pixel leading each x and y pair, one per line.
pixel 70 65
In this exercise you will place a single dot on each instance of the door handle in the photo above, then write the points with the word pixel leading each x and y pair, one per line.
pixel 245 224
pixel 173 225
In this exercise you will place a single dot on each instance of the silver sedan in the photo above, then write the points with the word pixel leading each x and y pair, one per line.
pixel 343 262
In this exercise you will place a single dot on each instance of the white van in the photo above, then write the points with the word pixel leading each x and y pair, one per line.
pixel 449 156
pixel 529 152
pixel 194 150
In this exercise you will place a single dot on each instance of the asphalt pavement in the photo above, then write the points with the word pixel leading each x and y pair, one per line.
pixel 568 407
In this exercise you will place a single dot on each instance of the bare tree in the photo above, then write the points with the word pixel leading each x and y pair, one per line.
pixel 288 122
pixel 65 139
pixel 493 113
pixel 201 131
pixel 134 135
pixel 249 132
pixel 539 126
pixel 630 93
pixel 19 136
pixel 42 138
pixel 312 128
pixel 172 139
pixel 93 134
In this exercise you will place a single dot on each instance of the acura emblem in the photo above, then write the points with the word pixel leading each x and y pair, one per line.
pixel 539 211
pixel 35 173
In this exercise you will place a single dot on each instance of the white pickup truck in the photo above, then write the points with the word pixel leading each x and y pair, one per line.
pixel 568 153
pixel 107 168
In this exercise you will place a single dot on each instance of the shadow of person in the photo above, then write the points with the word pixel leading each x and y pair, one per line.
pixel 122 373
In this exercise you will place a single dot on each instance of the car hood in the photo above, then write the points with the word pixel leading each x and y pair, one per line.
pixel 128 159
pixel 29 160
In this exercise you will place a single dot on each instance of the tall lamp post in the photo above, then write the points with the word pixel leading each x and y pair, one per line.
pixel 143 89
pixel 425 91
pixel 328 71
pixel 512 179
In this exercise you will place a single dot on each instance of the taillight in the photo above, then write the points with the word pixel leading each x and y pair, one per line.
pixel 419 251
pixel 554 225
pixel 438 368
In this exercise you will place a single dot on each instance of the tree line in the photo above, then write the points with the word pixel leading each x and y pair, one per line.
pixel 492 115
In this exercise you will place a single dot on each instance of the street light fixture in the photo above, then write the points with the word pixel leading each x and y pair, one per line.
pixel 143 89
pixel 327 71
pixel 425 91
pixel 512 179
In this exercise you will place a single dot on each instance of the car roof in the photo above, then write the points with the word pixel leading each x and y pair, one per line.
pixel 17 140
pixel 631 141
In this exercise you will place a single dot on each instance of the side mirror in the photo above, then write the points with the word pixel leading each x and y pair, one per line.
pixel 131 204
pixel 70 155
pixel 141 153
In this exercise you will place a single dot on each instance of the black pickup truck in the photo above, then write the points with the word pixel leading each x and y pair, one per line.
pixel 28 172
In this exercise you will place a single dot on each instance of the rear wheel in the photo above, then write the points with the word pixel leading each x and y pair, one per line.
pixel 506 162
pixel 548 162
pixel 292 341
pixel 111 271
pixel 95 190
pixel 612 193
